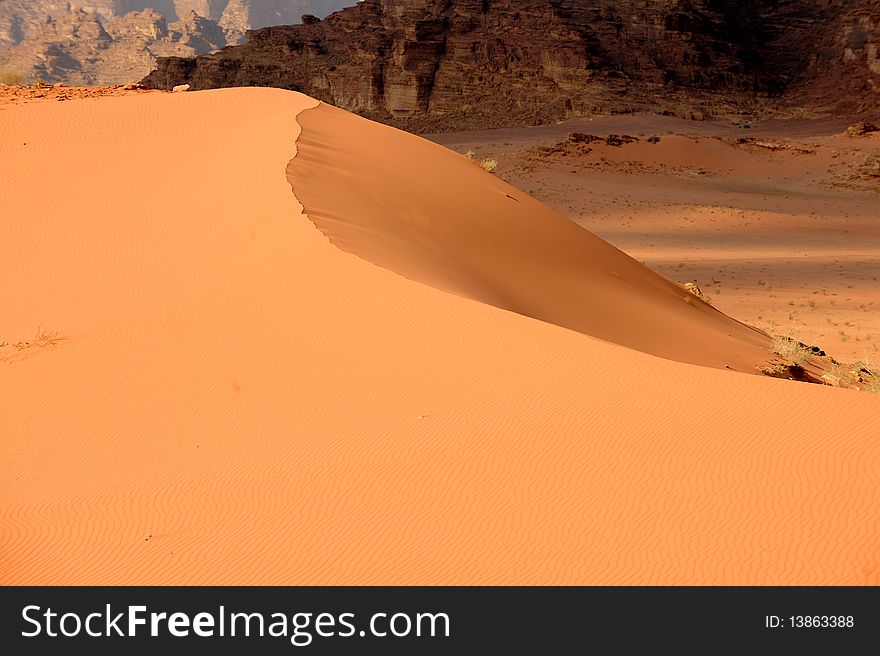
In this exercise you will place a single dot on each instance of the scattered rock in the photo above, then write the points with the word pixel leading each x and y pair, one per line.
pixel 759 145
pixel 14 95
pixel 580 137
pixel 861 129
pixel 693 289
pixel 181 88
pixel 620 139
pixel 769 145
pixel 870 168
pixel 791 372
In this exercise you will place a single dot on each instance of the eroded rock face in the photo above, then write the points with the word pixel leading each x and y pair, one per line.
pixel 843 60
pixel 483 63
pixel 22 18
pixel 80 47
pixel 239 16
pixel 115 41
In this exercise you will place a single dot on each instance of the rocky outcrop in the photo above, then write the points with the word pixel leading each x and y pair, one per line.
pixel 81 48
pixel 239 16
pixel 443 64
pixel 114 41
pixel 20 19
pixel 842 71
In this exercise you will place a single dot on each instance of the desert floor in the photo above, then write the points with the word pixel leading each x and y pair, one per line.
pixel 780 231
pixel 247 338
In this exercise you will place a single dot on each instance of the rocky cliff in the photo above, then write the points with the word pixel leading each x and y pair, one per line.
pixel 81 48
pixel 20 19
pixel 113 41
pixel 442 64
pixel 841 53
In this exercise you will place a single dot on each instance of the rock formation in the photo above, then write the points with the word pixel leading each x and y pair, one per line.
pixel 239 16
pixel 81 48
pixel 439 64
pixel 842 60
pixel 115 41
pixel 22 18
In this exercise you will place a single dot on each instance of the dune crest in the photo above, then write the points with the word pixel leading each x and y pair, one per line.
pixel 431 215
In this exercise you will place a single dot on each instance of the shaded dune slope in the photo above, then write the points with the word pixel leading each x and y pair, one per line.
pixel 236 401
pixel 431 215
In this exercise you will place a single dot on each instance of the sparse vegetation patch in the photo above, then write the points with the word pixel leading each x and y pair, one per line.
pixel 791 350
pixel 42 339
pixel 12 77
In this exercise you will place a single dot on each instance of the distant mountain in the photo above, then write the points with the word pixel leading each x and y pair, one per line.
pixel 114 41
pixel 450 64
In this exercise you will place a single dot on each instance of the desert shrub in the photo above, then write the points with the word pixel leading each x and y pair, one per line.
pixel 12 77
pixel 471 154
pixel 840 375
pixel 791 350
pixel 489 165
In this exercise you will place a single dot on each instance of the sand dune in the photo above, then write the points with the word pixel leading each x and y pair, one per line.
pixel 229 398
pixel 421 210
pixel 777 221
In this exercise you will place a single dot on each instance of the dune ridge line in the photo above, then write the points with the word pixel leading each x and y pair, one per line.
pixel 422 211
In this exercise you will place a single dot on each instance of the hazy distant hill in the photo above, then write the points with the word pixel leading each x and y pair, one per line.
pixel 112 41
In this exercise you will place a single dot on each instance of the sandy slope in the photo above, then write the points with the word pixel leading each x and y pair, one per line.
pixel 236 400
pixel 433 216
pixel 785 239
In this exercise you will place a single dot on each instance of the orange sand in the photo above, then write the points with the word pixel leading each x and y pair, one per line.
pixel 782 236
pixel 462 229
pixel 232 399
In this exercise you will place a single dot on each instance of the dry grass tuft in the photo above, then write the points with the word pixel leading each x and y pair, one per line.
pixel 16 351
pixel 791 350
pixel 12 77
pixel 489 165
pixel 841 375
pixel 42 339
